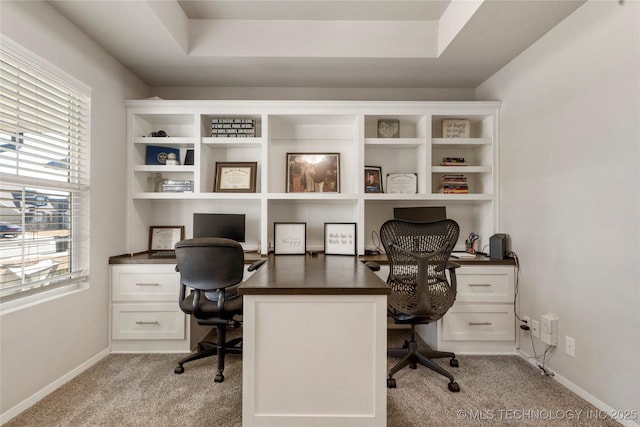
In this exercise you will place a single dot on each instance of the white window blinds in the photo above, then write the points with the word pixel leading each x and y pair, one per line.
pixel 44 177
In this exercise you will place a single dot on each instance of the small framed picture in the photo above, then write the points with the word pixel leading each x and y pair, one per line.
pixel 402 183
pixel 313 172
pixel 373 179
pixel 235 177
pixel 164 237
pixel 456 128
pixel 290 238
pixel 388 128
pixel 340 238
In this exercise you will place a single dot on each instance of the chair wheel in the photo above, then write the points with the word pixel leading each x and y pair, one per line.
pixel 391 383
pixel 454 363
pixel 179 369
pixel 219 378
pixel 454 387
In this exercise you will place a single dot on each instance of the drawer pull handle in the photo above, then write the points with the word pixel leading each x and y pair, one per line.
pixel 479 323
pixel 479 284
pixel 140 322
pixel 147 284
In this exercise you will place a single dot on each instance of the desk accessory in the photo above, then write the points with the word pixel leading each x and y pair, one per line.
pixel 290 238
pixel 498 246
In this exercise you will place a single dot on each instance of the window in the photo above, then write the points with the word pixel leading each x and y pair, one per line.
pixel 44 176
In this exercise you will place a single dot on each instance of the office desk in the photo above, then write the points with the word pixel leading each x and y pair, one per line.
pixel 314 343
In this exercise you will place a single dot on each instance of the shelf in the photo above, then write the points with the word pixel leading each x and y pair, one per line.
pixel 312 196
pixel 196 196
pixel 394 142
pixel 162 168
pixel 461 169
pixel 284 127
pixel 232 142
pixel 461 142
pixel 179 142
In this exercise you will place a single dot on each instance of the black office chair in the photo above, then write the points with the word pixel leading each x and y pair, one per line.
pixel 213 269
pixel 418 254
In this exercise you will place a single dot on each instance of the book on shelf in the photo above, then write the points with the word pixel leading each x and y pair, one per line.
pixel 176 186
pixel 237 127
pixel 453 184
pixel 453 161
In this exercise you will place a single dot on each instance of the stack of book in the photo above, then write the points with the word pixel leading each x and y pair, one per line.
pixel 453 161
pixel 176 186
pixel 233 127
pixel 453 184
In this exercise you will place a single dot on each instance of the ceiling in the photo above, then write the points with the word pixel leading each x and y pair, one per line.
pixel 315 43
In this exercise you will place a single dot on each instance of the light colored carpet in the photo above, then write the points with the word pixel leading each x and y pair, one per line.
pixel 142 390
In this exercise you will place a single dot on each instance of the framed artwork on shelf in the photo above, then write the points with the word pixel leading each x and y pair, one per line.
pixel 235 177
pixel 313 172
pixel 402 183
pixel 164 237
pixel 373 179
pixel 456 128
pixel 340 238
pixel 388 128
pixel 290 238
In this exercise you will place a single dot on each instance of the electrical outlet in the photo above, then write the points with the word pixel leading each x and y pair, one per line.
pixel 535 328
pixel 570 346
pixel 526 320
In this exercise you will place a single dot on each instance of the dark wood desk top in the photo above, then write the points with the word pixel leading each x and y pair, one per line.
pixel 146 258
pixel 321 275
pixel 477 260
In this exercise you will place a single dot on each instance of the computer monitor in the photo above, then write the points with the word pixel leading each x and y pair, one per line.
pixel 229 226
pixel 421 213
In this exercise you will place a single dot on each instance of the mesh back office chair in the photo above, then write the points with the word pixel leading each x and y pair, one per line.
pixel 212 268
pixel 418 254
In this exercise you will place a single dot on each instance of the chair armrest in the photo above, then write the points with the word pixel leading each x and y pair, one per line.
pixel 452 265
pixel 256 265
pixel 373 266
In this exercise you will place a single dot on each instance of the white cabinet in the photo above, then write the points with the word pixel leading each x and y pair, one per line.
pixel 281 127
pixel 482 320
pixel 145 316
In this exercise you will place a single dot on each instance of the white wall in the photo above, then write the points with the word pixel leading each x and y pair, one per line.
pixel 570 161
pixel 41 344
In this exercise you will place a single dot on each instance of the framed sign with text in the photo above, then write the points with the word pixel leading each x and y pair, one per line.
pixel 340 238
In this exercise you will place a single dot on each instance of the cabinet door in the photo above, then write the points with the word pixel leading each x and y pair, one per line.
pixel 485 284
pixel 148 321
pixel 145 283
pixel 478 322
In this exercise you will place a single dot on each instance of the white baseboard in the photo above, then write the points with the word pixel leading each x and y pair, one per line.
pixel 599 404
pixel 31 400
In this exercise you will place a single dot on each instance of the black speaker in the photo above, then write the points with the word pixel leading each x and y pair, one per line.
pixel 498 246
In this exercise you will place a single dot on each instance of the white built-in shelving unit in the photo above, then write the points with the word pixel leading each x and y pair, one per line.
pixel 345 127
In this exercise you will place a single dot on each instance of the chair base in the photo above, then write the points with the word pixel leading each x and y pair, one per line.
pixel 410 356
pixel 219 348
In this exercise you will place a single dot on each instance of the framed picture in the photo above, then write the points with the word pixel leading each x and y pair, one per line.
pixel 402 183
pixel 290 238
pixel 340 238
pixel 373 179
pixel 164 237
pixel 456 128
pixel 313 172
pixel 235 177
pixel 388 128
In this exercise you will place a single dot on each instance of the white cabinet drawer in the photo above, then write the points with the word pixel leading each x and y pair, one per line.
pixel 145 284
pixel 149 321
pixel 485 284
pixel 475 322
